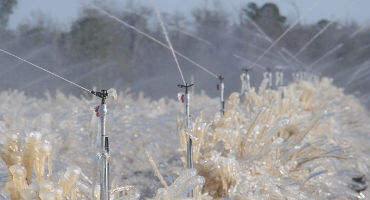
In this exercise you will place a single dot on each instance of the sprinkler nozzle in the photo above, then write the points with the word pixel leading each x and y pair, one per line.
pixel 187 85
pixel 103 95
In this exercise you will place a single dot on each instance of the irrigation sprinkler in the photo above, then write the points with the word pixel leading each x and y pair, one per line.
pixel 186 86
pixel 268 75
pixel 189 142
pixel 279 76
pixel 221 88
pixel 101 112
pixel 189 151
pixel 269 72
pixel 245 79
pixel 168 45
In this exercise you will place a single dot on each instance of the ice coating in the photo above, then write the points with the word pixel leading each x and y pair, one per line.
pixel 32 158
pixel 113 93
pixel 283 146
pixel 307 140
pixel 187 180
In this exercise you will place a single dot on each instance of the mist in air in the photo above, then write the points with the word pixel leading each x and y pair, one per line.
pixel 99 52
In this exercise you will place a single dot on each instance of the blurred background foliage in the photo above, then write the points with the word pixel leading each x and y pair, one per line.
pixel 97 51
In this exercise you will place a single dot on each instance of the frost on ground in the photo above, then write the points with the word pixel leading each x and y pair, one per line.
pixel 307 140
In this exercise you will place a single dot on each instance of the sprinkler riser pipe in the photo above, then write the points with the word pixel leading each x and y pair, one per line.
pixel 104 165
pixel 270 79
pixel 189 142
pixel 248 81
pixel 222 99
pixel 245 81
pixel 106 168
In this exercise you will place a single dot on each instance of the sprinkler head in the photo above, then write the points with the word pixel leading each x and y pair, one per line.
pixel 103 95
pixel 246 69
pixel 187 85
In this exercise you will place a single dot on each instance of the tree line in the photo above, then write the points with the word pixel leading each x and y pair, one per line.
pixel 95 43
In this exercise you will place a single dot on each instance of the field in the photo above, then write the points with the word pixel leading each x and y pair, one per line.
pixel 306 139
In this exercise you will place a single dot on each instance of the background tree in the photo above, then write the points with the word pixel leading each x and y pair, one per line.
pixel 6 9
pixel 268 17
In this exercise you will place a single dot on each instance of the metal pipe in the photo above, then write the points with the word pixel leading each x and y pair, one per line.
pixel 104 193
pixel 106 168
pixel 104 162
pixel 189 142
pixel 189 148
pixel 222 99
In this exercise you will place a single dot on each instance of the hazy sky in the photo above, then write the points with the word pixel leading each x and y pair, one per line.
pixel 65 11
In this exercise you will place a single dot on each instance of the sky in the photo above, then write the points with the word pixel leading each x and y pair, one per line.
pixel 64 12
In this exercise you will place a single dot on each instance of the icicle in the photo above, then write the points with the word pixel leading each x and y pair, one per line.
pixel 69 180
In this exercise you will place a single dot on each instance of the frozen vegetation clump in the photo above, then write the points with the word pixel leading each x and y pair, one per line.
pixel 306 140
pixel 302 141
pixel 26 170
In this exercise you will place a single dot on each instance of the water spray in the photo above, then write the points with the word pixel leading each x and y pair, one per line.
pixel 267 38
pixel 313 39
pixel 186 86
pixel 101 112
pixel 192 36
pixel 208 43
pixel 43 69
pixel 339 46
pixel 333 50
pixel 168 46
pixel 359 30
pixel 275 42
pixel 249 61
pixel 153 39
pixel 284 57
pixel 259 29
pixel 292 56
